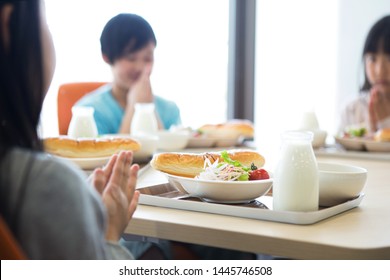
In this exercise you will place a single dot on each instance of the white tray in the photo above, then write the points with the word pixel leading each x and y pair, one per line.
pixel 165 195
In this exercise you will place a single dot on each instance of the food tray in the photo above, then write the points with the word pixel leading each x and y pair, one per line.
pixel 166 195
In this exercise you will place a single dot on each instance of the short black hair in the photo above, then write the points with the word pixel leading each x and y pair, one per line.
pixel 378 38
pixel 124 34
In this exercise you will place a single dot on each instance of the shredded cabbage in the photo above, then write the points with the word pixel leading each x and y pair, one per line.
pixel 223 172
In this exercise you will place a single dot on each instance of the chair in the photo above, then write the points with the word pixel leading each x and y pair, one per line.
pixel 68 95
pixel 10 248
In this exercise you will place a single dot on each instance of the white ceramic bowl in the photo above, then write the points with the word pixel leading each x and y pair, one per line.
pixel 319 138
pixel 223 191
pixel 148 147
pixel 339 182
pixel 172 140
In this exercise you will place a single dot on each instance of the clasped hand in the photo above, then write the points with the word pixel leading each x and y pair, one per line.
pixel 116 183
pixel 141 91
pixel 379 107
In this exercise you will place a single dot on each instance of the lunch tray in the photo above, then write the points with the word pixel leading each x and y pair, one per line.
pixel 166 195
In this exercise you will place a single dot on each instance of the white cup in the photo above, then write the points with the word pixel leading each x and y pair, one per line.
pixel 82 124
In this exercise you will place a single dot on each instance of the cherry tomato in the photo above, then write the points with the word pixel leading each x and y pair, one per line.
pixel 258 174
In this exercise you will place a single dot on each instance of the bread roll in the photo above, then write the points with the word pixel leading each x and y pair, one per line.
pixel 382 135
pixel 88 148
pixel 191 164
pixel 231 129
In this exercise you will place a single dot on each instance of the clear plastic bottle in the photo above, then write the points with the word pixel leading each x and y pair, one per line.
pixel 144 120
pixel 82 123
pixel 295 186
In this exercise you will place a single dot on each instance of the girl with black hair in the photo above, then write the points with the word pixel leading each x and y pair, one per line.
pixel 46 202
pixel 371 111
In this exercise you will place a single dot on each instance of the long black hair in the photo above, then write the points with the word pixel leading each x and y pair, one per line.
pixel 378 38
pixel 21 77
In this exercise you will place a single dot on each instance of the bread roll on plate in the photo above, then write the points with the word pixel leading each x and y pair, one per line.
pixel 191 164
pixel 231 129
pixel 88 147
pixel 382 135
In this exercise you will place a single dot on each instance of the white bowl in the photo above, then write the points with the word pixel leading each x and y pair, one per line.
pixel 339 182
pixel 172 140
pixel 148 147
pixel 319 137
pixel 148 144
pixel 223 191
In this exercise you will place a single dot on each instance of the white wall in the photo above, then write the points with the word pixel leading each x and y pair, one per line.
pixel 308 57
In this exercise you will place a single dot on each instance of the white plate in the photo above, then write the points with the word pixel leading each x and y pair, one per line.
pixel 362 144
pixel 226 142
pixel 376 146
pixel 355 144
pixel 207 142
pixel 200 142
pixel 89 163
pixel 223 191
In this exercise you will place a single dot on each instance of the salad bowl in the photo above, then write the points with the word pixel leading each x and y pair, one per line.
pixel 233 192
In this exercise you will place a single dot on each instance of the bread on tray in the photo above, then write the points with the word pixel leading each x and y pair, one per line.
pixel 88 147
pixel 232 128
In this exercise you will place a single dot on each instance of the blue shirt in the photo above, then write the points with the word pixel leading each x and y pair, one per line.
pixel 108 113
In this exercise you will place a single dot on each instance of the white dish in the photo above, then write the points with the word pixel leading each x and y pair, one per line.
pixel 223 191
pixel 207 142
pixel 200 142
pixel 354 144
pixel 226 142
pixel 362 144
pixel 376 146
pixel 88 163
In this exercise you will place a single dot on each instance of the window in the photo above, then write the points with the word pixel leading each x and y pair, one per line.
pixel 295 66
pixel 191 57
pixel 308 56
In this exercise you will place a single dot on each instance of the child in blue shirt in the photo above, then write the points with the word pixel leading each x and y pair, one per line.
pixel 127 44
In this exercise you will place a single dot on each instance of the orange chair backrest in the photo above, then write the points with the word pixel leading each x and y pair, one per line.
pixel 68 95
pixel 10 248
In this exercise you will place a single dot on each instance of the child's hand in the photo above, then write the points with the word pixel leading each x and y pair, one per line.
pixel 379 107
pixel 141 91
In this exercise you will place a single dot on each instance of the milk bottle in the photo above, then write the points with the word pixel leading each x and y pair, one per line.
pixel 82 124
pixel 295 186
pixel 144 120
